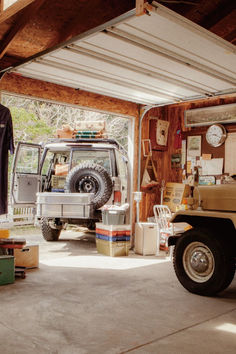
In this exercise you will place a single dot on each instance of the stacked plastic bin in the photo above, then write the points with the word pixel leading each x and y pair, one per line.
pixel 7 275
pixel 113 236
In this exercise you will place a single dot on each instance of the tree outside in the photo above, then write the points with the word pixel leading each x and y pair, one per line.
pixel 37 121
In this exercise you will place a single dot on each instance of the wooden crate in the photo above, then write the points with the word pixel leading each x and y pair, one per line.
pixel 27 257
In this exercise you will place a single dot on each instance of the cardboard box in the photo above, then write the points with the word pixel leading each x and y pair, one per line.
pixel 27 257
pixel 58 182
pixel 63 134
pixel 174 194
pixel 4 233
pixel 61 170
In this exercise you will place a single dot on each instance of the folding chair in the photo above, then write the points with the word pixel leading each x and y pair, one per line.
pixel 162 215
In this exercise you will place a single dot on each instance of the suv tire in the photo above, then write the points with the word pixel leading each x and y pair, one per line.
pixel 90 178
pixel 49 234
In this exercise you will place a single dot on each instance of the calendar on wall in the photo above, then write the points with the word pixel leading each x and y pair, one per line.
pixel 158 133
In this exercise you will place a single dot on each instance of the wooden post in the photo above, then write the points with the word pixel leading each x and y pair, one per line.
pixel 139 7
pixel 142 7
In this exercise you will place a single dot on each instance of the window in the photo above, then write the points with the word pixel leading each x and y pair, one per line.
pixel 98 157
pixel 28 160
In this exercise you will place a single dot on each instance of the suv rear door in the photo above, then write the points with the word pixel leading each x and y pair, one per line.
pixel 122 167
pixel 26 180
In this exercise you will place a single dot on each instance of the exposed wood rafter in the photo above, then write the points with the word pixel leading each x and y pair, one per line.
pixel 221 11
pixel 20 24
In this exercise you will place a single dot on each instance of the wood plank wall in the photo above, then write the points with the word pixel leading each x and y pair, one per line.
pixel 162 159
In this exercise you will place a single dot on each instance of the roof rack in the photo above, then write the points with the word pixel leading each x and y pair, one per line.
pixel 89 140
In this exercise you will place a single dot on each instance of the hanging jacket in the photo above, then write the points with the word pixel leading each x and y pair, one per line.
pixel 6 144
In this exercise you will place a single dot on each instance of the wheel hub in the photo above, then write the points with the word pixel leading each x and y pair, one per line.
pixel 198 262
pixel 88 184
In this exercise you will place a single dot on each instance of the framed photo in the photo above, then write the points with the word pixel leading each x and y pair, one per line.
pixel 225 113
pixel 194 145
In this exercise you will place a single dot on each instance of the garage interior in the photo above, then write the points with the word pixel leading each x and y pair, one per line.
pixel 147 60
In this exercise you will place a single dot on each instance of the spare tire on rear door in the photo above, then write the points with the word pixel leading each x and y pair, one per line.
pixel 90 178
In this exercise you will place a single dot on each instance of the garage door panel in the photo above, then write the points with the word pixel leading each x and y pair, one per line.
pixel 187 40
pixel 162 58
pixel 82 81
pixel 141 57
pixel 148 80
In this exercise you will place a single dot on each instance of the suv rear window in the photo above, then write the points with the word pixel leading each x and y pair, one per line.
pixel 99 157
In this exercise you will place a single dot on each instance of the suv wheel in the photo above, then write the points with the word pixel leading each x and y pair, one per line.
pixel 203 262
pixel 90 178
pixel 49 234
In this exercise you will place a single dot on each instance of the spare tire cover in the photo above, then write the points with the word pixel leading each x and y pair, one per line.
pixel 90 178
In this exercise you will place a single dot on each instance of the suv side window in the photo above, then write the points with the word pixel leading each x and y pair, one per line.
pixel 46 163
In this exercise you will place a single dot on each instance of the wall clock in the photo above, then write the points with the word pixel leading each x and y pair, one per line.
pixel 216 135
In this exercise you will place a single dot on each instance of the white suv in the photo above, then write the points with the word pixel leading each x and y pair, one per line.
pixel 62 166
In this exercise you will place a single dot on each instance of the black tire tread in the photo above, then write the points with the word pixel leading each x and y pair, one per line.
pixel 48 233
pixel 222 280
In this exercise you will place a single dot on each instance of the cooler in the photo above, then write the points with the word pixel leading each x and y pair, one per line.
pixel 146 238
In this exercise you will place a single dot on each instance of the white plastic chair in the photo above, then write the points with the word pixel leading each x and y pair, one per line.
pixel 162 215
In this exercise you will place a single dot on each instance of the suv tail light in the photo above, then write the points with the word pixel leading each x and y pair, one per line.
pixel 117 196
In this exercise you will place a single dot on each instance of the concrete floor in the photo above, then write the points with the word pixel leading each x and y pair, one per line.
pixel 81 302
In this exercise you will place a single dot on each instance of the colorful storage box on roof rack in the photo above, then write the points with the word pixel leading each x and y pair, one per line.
pixel 83 129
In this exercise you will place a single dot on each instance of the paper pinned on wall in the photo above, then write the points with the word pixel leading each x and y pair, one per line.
pixel 183 152
pixel 230 148
pixel 189 167
pixel 212 167
pixel 162 132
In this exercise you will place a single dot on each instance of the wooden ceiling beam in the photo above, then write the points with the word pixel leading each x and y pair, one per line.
pixel 91 14
pixel 13 9
pixel 19 84
pixel 225 28
pixel 231 37
pixel 220 11
pixel 21 22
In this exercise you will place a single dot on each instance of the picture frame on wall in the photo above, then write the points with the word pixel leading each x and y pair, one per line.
pixel 194 145
pixel 225 113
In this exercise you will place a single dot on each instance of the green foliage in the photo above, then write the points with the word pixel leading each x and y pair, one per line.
pixel 37 121
pixel 28 127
